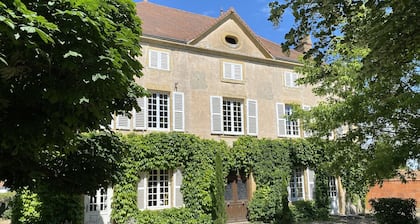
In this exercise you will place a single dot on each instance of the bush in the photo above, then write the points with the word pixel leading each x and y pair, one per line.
pixel 172 216
pixel 262 206
pixel 303 211
pixel 394 210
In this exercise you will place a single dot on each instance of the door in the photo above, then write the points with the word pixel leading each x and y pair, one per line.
pixel 236 197
pixel 332 192
pixel 98 207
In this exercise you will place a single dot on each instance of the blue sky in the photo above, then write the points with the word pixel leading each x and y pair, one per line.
pixel 253 12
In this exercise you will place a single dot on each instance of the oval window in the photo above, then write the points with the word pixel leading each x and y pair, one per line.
pixel 231 40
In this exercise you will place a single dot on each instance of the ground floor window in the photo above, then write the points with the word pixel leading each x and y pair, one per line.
pixel 158 193
pixel 99 201
pixel 296 185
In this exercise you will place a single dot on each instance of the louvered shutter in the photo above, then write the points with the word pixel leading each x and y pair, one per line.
pixel 281 120
pixel 140 116
pixel 306 133
pixel 141 192
pixel 295 76
pixel 288 79
pixel 164 60
pixel 153 59
pixel 216 114
pixel 237 72
pixel 178 111
pixel 227 71
pixel 123 122
pixel 178 199
pixel 311 183
pixel 252 117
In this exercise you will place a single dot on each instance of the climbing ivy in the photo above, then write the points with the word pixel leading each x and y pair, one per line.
pixel 270 162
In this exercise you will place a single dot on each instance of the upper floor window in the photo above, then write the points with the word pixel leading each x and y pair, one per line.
pixel 158 111
pixel 292 125
pixel 158 60
pixel 232 71
pixel 290 79
pixel 286 126
pixel 226 115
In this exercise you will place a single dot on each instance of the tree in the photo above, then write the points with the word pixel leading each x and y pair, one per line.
pixel 218 190
pixel 65 67
pixel 365 62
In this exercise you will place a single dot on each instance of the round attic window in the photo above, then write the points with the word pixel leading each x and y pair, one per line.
pixel 231 40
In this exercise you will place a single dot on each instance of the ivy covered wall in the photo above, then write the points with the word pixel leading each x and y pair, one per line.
pixel 270 161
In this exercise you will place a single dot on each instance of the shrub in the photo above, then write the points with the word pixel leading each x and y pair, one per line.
pixel 172 216
pixel 303 211
pixel 262 207
pixel 394 210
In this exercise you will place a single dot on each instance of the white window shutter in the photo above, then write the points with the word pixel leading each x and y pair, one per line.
pixel 153 59
pixel 306 133
pixel 311 183
pixel 141 192
pixel 140 116
pixel 288 79
pixel 227 71
pixel 252 117
pixel 216 114
pixel 178 111
pixel 178 198
pixel 123 122
pixel 281 120
pixel 295 76
pixel 237 72
pixel 164 60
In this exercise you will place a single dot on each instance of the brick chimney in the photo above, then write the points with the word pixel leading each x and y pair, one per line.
pixel 305 44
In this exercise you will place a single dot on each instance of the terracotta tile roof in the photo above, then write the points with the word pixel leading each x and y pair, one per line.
pixel 181 26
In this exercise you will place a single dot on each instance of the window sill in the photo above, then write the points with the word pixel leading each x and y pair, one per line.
pixel 233 81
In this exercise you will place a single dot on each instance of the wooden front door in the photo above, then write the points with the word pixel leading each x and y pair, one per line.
pixel 236 197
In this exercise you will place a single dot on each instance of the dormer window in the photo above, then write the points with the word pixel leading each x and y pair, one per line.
pixel 232 41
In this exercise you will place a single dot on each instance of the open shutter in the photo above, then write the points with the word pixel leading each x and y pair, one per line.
pixel 237 71
pixel 140 116
pixel 178 111
pixel 227 70
pixel 153 59
pixel 164 60
pixel 141 192
pixel 311 183
pixel 123 122
pixel 306 133
pixel 281 120
pixel 178 200
pixel 216 114
pixel 252 117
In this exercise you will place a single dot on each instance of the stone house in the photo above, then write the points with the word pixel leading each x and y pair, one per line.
pixel 217 79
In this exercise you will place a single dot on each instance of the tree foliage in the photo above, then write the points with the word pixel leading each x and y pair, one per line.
pixel 365 62
pixel 65 67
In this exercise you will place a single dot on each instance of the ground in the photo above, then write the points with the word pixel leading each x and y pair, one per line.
pixel 348 220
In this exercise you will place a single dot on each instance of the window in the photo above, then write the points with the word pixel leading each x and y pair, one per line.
pixel 290 79
pixel 158 111
pixel 226 116
pixel 98 202
pixel 232 71
pixel 292 126
pixel 232 116
pixel 296 185
pixel 154 113
pixel 286 127
pixel 158 189
pixel 158 60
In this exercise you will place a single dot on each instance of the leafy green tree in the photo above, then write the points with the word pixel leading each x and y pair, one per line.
pixel 365 62
pixel 65 67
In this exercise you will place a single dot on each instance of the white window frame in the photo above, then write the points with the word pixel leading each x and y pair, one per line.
pixel 168 110
pixel 232 116
pixel 297 181
pixel 158 188
pixel 291 124
pixel 231 70
pixel 160 57
pixel 290 79
pixel 306 133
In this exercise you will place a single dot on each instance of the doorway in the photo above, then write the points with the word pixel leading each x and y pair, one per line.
pixel 236 197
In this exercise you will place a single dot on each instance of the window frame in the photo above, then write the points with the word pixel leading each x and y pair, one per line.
pixel 297 185
pixel 159 62
pixel 158 190
pixel 232 76
pixel 232 116
pixel 292 127
pixel 290 79
pixel 158 111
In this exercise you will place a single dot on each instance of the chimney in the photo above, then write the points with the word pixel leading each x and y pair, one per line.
pixel 305 44
pixel 221 11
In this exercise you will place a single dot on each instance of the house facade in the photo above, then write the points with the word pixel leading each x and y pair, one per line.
pixel 214 78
